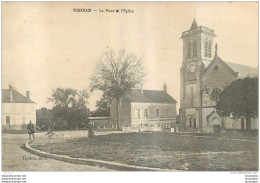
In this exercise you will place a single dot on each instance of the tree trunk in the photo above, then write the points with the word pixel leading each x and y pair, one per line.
pixel 118 114
pixel 242 123
pixel 248 123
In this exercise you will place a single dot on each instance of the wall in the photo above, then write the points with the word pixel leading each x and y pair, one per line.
pixel 124 110
pixel 20 114
pixel 236 123
pixel 205 113
pixel 218 76
pixel 200 34
pixel 191 112
pixel 167 114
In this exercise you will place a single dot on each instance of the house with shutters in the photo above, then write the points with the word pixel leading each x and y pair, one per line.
pixel 145 110
pixel 17 110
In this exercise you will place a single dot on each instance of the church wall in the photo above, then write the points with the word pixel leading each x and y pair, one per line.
pixel 191 38
pixel 254 123
pixel 218 78
pixel 205 113
pixel 231 123
pixel 191 95
pixel 191 113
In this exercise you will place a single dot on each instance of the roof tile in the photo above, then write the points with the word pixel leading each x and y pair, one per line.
pixel 149 96
pixel 17 97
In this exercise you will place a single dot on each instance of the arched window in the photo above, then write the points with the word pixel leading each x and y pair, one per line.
pixel 194 48
pixel 194 122
pixel 189 49
pixel 190 122
pixel 206 47
pixel 209 48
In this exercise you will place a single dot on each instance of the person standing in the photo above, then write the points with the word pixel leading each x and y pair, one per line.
pixel 91 129
pixel 30 129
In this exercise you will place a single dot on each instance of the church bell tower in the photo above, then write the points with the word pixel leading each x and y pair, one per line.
pixel 198 44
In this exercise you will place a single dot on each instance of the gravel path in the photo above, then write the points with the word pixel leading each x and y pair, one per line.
pixel 15 158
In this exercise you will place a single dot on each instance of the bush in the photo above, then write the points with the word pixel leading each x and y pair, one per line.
pixel 60 124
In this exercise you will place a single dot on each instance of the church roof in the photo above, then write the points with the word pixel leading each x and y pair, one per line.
pixel 150 96
pixel 242 70
pixel 17 97
pixel 194 24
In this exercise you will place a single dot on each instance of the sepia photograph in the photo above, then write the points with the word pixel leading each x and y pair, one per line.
pixel 130 86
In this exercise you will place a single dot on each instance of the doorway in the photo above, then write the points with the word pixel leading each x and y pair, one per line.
pixel 8 125
pixel 216 128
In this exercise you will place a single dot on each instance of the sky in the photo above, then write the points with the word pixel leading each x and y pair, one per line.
pixel 46 45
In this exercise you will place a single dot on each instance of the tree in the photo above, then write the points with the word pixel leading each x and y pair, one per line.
pixel 117 73
pixel 240 99
pixel 43 118
pixel 70 108
pixel 103 107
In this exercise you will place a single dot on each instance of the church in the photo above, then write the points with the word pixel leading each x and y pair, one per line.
pixel 203 76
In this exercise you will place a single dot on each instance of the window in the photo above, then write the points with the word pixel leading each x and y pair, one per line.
pixel 145 113
pixel 191 100
pixel 209 48
pixel 192 122
pixel 8 121
pixel 194 49
pixel 152 125
pixel 145 125
pixel 137 113
pixel 157 113
pixel 189 49
pixel 167 125
pixel 215 94
pixel 206 47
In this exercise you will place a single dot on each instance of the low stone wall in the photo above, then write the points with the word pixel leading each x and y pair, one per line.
pixel 141 129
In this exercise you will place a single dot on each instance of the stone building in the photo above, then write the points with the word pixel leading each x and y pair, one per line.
pixel 145 110
pixel 17 110
pixel 203 76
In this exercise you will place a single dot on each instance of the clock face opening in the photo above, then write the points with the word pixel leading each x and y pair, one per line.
pixel 192 68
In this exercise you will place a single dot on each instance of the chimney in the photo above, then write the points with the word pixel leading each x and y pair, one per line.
pixel 28 94
pixel 11 94
pixel 165 88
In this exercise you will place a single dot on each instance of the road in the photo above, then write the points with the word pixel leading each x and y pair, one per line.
pixel 15 158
